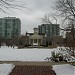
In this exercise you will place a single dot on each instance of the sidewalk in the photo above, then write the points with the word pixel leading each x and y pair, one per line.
pixel 32 63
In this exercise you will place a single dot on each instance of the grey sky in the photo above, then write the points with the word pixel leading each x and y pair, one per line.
pixel 30 18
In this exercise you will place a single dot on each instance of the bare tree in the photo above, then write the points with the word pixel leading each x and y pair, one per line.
pixel 8 5
pixel 66 10
pixel 48 18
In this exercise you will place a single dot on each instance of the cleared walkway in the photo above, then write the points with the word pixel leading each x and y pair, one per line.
pixel 32 70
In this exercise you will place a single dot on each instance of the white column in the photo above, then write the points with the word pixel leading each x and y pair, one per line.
pixel 37 41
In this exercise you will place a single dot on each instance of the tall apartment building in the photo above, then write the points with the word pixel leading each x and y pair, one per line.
pixel 10 27
pixel 49 29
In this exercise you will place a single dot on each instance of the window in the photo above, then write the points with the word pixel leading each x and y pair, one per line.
pixel 0 28
pixel 0 34
pixel 0 23
pixel 8 25
pixel 35 40
pixel 8 34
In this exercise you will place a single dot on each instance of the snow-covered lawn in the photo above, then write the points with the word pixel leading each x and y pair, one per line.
pixel 29 54
pixel 5 69
pixel 34 54
pixel 65 69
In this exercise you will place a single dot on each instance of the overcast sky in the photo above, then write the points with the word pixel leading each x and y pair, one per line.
pixel 31 17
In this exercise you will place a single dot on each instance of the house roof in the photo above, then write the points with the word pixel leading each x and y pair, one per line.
pixel 36 36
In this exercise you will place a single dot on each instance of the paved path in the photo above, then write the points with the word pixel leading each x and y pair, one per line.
pixel 32 70
pixel 34 63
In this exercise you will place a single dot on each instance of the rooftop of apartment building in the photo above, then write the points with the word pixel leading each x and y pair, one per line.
pixel 9 18
pixel 50 24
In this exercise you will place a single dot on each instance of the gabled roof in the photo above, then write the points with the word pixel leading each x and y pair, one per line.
pixel 36 36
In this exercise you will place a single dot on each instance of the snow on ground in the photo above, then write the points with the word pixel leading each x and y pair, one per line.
pixel 29 54
pixel 5 69
pixel 64 69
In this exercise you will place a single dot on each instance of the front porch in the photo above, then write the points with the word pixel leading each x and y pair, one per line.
pixel 35 42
